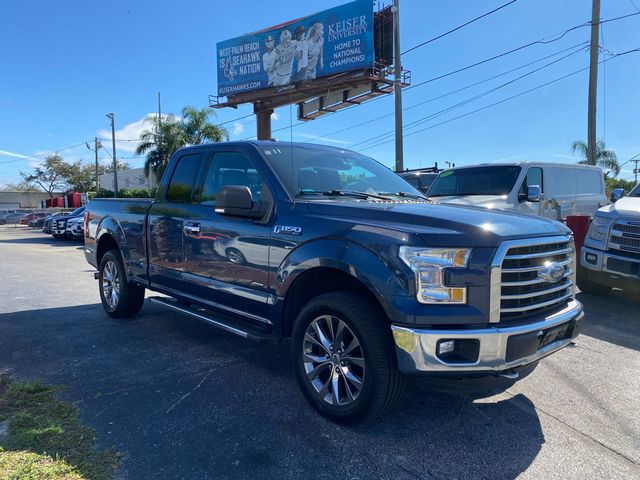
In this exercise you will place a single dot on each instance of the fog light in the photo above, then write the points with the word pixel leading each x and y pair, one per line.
pixel 459 350
pixel 591 258
pixel 446 346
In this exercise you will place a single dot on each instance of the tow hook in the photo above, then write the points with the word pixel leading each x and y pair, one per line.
pixel 510 374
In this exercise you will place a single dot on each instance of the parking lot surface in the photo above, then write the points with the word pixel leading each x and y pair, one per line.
pixel 180 399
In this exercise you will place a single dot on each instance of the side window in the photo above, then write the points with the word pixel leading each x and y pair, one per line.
pixel 534 177
pixel 183 179
pixel 230 168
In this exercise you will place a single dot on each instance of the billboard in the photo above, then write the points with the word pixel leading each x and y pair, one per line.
pixel 333 41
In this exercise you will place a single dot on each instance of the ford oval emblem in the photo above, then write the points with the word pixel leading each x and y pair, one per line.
pixel 551 273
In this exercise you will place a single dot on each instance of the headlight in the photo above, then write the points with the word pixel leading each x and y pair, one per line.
pixel 599 228
pixel 428 265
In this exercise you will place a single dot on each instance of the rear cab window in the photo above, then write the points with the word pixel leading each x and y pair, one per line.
pixel 182 184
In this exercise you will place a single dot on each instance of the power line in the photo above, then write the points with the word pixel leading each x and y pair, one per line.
pixel 466 101
pixel 500 101
pixel 493 77
pixel 458 27
pixel 542 41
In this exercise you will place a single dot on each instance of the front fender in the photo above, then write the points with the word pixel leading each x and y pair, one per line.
pixel 380 276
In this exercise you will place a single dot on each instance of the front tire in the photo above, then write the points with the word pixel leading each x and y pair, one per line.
pixel 120 298
pixel 344 357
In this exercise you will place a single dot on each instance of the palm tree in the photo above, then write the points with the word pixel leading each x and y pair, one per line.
pixel 605 159
pixel 164 137
pixel 159 142
pixel 198 128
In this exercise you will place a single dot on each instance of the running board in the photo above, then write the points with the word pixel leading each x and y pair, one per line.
pixel 228 325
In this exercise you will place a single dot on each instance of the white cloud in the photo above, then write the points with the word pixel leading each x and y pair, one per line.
pixel 238 128
pixel 275 116
pixel 131 131
pixel 6 153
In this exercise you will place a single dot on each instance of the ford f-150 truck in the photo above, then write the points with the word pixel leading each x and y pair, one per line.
pixel 611 253
pixel 370 281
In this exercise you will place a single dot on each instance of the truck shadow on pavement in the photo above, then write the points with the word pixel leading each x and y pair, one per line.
pixel 48 240
pixel 180 399
pixel 619 325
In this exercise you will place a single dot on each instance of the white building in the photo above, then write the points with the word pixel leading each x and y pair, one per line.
pixel 13 200
pixel 132 178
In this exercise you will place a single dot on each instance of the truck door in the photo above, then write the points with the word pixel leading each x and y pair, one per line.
pixel 227 258
pixel 167 218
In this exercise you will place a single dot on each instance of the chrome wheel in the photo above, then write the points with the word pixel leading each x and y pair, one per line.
pixel 111 284
pixel 333 360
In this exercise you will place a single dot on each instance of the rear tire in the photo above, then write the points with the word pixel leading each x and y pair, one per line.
pixel 120 298
pixel 344 358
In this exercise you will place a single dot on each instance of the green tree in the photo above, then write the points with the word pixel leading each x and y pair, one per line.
pixel 198 129
pixel 605 159
pixel 166 135
pixel 159 142
pixel 51 176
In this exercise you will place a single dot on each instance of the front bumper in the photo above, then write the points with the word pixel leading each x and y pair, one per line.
pixel 498 348
pixel 610 264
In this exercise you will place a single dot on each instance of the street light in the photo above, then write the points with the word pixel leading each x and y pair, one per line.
pixel 115 165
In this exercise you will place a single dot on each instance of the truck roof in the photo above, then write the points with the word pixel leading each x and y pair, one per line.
pixel 523 163
pixel 265 143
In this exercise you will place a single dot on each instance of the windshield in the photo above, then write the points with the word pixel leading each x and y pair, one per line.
pixel 498 180
pixel 310 170
pixel 635 192
pixel 77 211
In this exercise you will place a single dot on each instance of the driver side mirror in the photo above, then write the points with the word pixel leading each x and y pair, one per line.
pixel 617 194
pixel 533 193
pixel 235 201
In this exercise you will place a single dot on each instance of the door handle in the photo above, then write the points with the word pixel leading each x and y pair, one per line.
pixel 191 228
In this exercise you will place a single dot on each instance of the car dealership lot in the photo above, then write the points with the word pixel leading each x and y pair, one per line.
pixel 180 399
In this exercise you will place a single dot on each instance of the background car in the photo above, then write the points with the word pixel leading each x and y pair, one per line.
pixel 11 218
pixel 59 225
pixel 32 217
pixel 48 221
pixel 421 178
pixel 74 228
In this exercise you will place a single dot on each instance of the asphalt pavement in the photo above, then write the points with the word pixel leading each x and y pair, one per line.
pixel 182 400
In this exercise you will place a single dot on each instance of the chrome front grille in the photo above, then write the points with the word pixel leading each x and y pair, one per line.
pixel 625 235
pixel 532 276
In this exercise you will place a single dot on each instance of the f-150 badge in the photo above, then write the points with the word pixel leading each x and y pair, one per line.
pixel 287 230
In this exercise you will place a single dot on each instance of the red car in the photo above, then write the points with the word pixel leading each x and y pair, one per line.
pixel 31 216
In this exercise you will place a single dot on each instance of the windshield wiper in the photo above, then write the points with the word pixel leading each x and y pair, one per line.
pixel 343 193
pixel 403 194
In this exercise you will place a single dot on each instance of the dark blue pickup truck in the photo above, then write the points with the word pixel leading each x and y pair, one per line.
pixel 371 282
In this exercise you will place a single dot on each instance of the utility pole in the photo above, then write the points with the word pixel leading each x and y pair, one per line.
pixel 97 145
pixel 635 171
pixel 593 82
pixel 115 164
pixel 397 85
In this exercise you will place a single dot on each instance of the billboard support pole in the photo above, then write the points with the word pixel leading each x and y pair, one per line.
pixel 263 122
pixel 397 85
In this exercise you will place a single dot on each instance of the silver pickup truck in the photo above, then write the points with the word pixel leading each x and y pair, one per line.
pixel 611 253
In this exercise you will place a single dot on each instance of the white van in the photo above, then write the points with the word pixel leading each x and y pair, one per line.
pixel 564 189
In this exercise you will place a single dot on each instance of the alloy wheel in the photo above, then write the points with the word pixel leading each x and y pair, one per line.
pixel 333 360
pixel 111 284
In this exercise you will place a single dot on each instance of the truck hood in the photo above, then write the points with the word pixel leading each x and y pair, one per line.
pixel 440 225
pixel 486 201
pixel 626 206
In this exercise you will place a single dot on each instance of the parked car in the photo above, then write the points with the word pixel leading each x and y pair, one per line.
pixel 610 256
pixel 552 190
pixel 74 228
pixel 370 286
pixel 27 219
pixel 59 224
pixel 48 221
pixel 421 178
pixel 11 218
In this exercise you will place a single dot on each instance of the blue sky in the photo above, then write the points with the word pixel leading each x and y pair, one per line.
pixel 64 65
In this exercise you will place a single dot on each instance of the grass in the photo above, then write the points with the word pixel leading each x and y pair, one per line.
pixel 44 439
